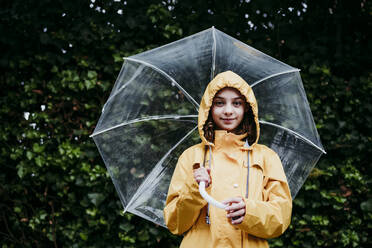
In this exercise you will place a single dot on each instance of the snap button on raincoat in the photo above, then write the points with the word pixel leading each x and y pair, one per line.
pixel 269 203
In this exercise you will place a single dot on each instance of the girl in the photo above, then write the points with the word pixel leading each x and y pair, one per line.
pixel 244 175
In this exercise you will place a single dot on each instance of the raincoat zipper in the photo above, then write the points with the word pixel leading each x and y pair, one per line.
pixel 248 165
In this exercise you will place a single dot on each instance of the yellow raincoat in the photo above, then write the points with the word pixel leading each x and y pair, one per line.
pixel 269 203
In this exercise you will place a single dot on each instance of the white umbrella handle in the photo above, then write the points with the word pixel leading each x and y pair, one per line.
pixel 208 198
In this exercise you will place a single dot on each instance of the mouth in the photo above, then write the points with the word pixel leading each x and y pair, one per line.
pixel 227 119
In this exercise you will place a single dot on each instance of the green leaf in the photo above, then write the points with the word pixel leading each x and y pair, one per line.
pixel 29 155
pixel 83 236
pixel 92 74
pixel 39 160
pixel 38 148
pixel 96 198
pixel 366 206
pixel 20 171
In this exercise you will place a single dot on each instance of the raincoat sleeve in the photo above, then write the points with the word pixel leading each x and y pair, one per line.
pixel 184 202
pixel 270 217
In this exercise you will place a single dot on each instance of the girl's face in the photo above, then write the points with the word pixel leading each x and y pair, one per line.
pixel 228 109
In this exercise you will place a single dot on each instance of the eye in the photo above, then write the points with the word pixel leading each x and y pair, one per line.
pixel 218 103
pixel 238 103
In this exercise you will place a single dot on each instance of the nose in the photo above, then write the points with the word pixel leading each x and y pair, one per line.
pixel 228 109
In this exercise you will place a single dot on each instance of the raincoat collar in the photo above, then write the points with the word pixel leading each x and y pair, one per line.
pixel 223 138
pixel 222 80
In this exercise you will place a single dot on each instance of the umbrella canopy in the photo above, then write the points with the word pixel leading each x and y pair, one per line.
pixel 150 117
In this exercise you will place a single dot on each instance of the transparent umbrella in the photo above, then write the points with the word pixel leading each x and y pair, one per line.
pixel 150 117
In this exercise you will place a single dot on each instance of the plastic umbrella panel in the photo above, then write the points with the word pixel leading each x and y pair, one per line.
pixel 150 117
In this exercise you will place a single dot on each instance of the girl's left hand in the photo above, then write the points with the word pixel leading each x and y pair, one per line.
pixel 235 210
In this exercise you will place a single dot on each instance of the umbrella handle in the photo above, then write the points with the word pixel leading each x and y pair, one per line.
pixel 208 198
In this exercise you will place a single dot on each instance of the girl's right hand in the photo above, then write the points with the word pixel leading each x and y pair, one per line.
pixel 202 174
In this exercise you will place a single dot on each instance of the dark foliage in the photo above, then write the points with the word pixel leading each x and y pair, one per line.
pixel 59 60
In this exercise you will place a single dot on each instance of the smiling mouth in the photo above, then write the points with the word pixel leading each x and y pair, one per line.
pixel 228 119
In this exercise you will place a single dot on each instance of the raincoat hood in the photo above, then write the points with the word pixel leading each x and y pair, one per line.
pixel 223 80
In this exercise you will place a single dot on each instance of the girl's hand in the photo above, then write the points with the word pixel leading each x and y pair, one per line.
pixel 202 174
pixel 235 210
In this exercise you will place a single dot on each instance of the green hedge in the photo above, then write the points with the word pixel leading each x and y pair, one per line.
pixel 59 60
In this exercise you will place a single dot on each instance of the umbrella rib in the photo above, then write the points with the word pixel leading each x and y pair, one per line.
pixel 196 105
pixel 214 48
pixel 153 173
pixel 131 80
pixel 150 118
pixel 295 133
pixel 274 75
pixel 172 43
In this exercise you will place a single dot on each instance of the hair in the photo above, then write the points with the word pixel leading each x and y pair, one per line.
pixel 247 125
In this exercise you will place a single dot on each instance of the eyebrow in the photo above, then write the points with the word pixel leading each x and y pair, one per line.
pixel 236 98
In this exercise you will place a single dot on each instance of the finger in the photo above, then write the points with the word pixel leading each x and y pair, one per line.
pixel 204 177
pixel 201 171
pixel 201 174
pixel 198 175
pixel 232 200
pixel 199 179
pixel 235 206
pixel 240 212
pixel 236 213
pixel 237 221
